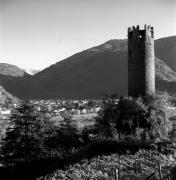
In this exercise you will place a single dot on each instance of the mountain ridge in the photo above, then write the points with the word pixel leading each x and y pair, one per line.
pixel 91 73
pixel 12 70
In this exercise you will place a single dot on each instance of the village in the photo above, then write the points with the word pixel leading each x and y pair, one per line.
pixel 81 112
pixel 73 107
pixel 59 107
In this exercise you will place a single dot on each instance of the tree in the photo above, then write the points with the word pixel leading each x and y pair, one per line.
pixel 66 136
pixel 69 133
pixel 147 119
pixel 107 116
pixel 91 103
pixel 25 137
pixel 161 126
pixel 132 116
pixel 135 117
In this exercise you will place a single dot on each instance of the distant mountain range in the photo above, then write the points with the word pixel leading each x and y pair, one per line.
pixel 93 73
pixel 11 70
pixel 32 71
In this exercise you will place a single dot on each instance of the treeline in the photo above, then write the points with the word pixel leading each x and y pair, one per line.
pixel 31 136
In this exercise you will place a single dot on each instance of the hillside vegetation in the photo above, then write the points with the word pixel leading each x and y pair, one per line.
pixel 6 99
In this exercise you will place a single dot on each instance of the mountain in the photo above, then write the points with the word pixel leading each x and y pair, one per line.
pixel 32 71
pixel 6 99
pixel 165 49
pixel 94 73
pixel 164 72
pixel 11 70
pixel 11 77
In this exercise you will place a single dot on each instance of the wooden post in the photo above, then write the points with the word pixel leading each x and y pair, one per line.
pixel 116 174
pixel 119 169
pixel 160 172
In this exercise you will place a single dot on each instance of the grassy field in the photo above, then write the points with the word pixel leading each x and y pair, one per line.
pixel 80 121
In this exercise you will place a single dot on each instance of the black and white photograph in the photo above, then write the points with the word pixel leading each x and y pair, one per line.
pixel 87 89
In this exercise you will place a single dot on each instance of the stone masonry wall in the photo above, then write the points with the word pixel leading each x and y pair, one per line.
pixel 141 65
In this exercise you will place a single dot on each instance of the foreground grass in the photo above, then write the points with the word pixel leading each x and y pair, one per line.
pixel 137 166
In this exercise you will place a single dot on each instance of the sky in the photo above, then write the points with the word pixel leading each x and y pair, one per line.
pixel 37 33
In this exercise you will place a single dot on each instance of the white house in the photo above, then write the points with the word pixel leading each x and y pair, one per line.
pixel 5 112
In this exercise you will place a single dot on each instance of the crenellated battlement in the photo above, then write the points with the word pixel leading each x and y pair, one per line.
pixel 146 30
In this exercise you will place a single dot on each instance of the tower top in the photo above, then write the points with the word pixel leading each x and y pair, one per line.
pixel 148 30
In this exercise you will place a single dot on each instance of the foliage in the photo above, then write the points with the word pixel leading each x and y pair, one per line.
pixel 89 134
pixel 137 118
pixel 3 125
pixel 173 172
pixel 91 103
pixel 69 133
pixel 24 140
pixel 66 136
pixel 132 116
pixel 105 122
pixel 161 126
pixel 140 165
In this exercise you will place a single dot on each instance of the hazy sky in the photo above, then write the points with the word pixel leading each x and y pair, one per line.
pixel 37 33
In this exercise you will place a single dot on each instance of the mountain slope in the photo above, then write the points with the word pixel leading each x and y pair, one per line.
pixel 165 48
pixel 92 73
pixel 164 72
pixel 11 70
pixel 12 78
pixel 6 99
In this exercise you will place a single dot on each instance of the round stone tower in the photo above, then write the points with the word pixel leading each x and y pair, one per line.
pixel 141 61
